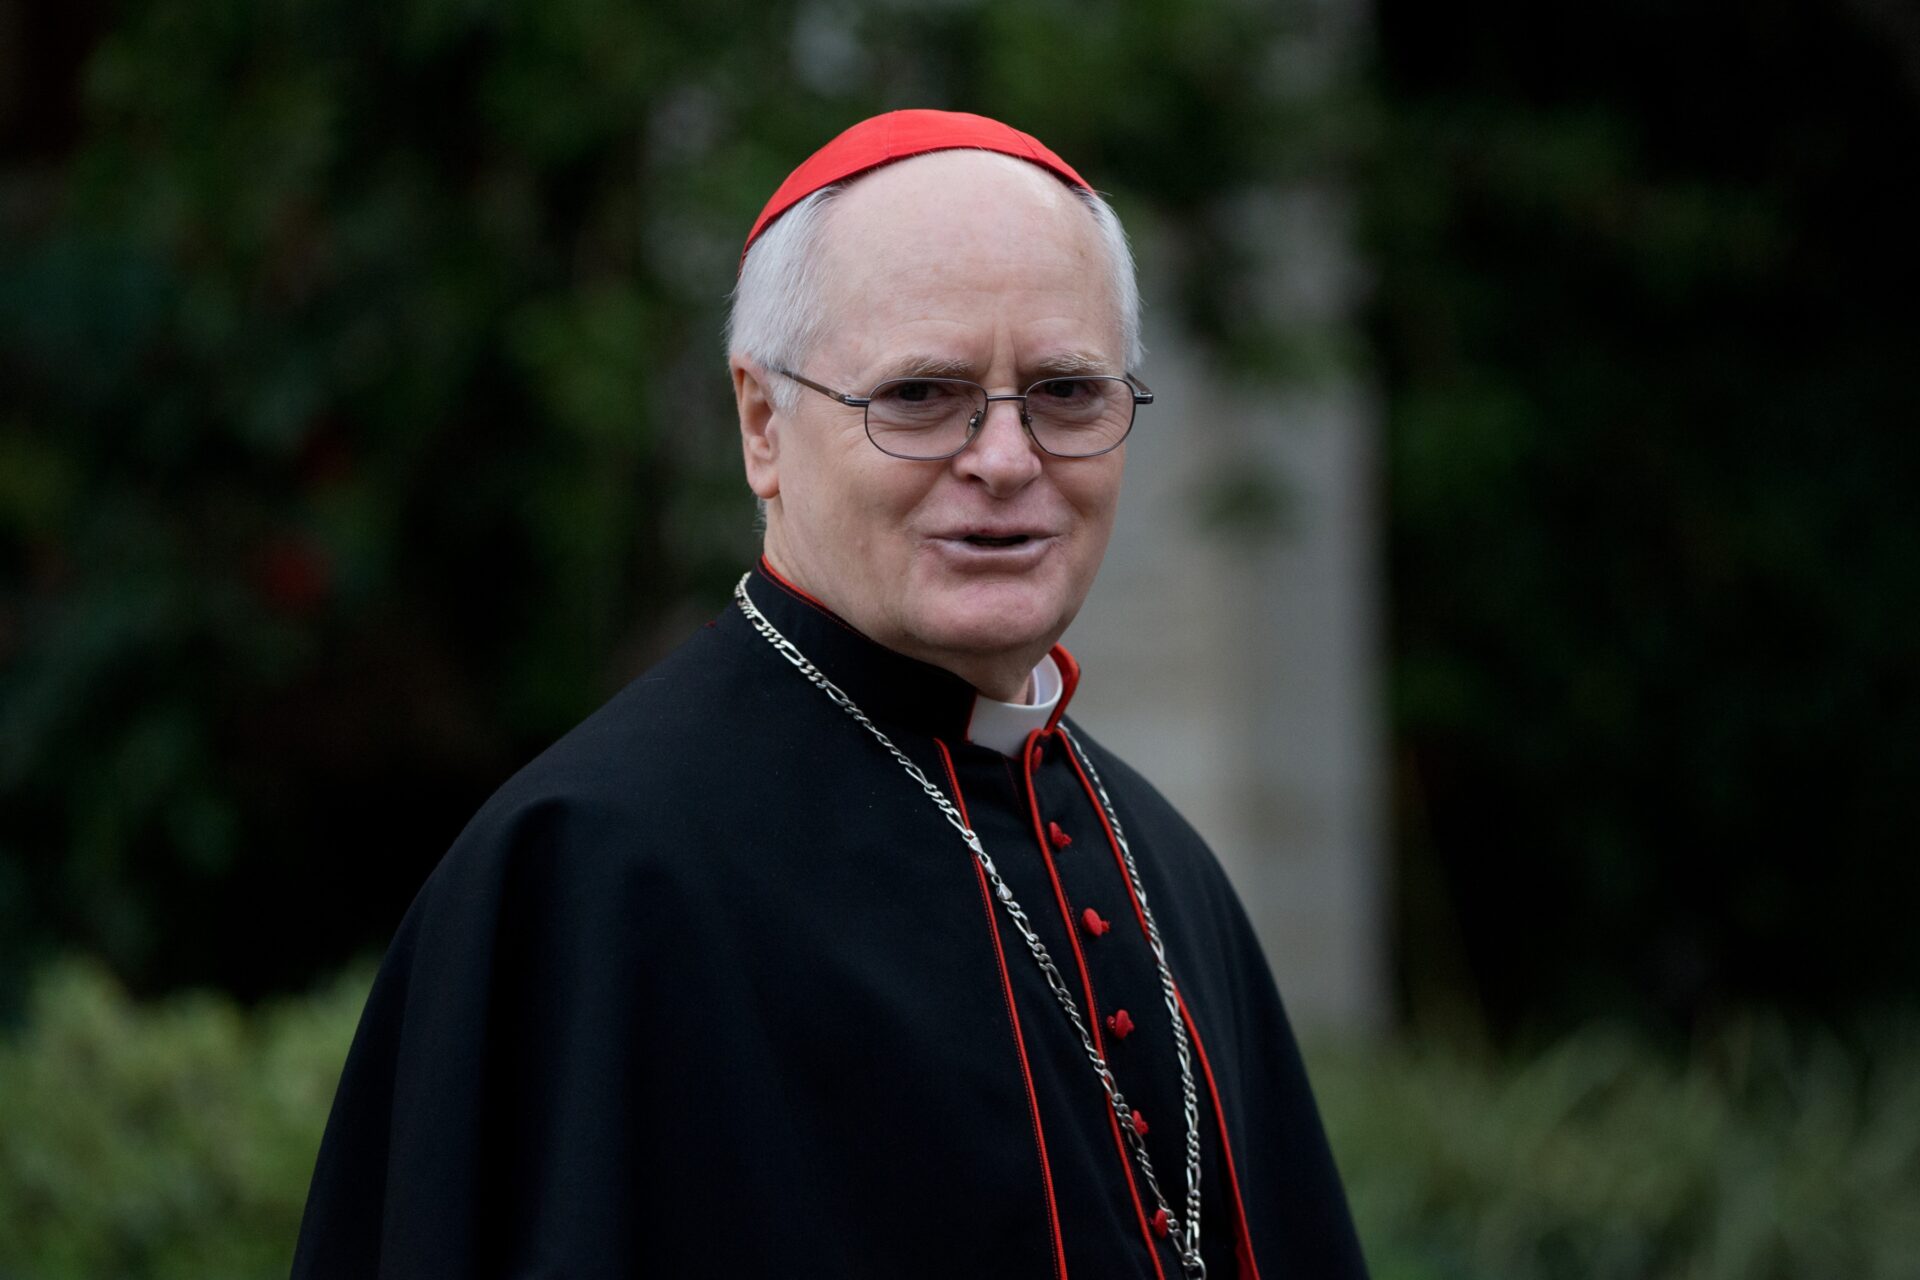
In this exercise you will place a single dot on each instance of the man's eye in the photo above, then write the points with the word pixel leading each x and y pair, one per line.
pixel 918 395
pixel 1062 389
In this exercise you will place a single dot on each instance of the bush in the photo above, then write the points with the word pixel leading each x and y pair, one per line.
pixel 176 1139
pixel 1765 1155
pixel 167 1140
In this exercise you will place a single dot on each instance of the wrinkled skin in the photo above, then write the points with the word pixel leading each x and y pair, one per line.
pixel 963 264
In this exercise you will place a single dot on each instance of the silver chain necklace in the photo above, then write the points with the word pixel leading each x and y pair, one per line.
pixel 1184 1232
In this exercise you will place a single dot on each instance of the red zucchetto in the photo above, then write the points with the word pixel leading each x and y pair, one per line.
pixel 895 136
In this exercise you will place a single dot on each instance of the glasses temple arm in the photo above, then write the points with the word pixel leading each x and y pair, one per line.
pixel 852 402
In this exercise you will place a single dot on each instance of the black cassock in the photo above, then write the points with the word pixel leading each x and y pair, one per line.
pixel 711 988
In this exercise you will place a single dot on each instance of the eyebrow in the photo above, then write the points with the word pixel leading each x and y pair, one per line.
pixel 1066 364
pixel 924 366
pixel 1061 364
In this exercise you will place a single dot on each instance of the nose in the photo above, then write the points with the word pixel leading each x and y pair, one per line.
pixel 1002 455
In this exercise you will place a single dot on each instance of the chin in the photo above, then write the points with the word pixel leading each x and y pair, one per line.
pixel 987 621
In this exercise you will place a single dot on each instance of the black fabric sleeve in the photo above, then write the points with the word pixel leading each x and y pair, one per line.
pixel 485 1116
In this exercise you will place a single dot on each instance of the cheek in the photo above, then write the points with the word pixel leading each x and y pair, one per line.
pixel 867 510
pixel 822 478
pixel 1095 493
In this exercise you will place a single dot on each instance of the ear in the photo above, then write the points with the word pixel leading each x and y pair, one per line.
pixel 759 428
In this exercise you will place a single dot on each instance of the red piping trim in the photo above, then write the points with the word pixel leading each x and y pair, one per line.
pixel 1028 760
pixel 1243 1238
pixel 1243 1241
pixel 1069 681
pixel 1013 1018
pixel 1113 841
pixel 799 593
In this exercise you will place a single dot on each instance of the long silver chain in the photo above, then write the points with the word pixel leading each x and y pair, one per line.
pixel 1183 1232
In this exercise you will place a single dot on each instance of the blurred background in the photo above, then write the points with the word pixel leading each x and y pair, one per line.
pixel 1511 582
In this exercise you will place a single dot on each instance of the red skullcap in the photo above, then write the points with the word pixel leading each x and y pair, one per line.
pixel 895 136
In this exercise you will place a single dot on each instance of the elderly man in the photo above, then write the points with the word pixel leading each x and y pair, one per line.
pixel 830 947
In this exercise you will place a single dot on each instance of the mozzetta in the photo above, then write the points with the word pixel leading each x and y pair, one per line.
pixel 710 989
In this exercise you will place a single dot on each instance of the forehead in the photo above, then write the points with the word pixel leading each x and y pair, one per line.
pixel 967 249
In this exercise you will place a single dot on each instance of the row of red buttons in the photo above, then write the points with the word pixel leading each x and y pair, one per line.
pixel 1119 1022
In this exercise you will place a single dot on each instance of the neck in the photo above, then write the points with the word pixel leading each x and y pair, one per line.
pixel 1002 684
pixel 1002 676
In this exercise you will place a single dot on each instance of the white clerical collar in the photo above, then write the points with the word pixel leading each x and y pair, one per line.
pixel 1004 726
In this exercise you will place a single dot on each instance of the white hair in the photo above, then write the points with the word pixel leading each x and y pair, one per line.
pixel 777 312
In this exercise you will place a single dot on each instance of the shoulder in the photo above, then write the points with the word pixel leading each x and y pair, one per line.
pixel 668 713
pixel 630 780
pixel 680 730
pixel 1138 802
pixel 670 774
pixel 1179 868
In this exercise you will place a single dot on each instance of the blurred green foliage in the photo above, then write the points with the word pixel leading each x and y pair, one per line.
pixel 1645 321
pixel 1763 1155
pixel 364 417
pixel 171 1141
pixel 176 1138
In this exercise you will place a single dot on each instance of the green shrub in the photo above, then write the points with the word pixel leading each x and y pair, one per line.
pixel 1764 1156
pixel 167 1140
pixel 175 1139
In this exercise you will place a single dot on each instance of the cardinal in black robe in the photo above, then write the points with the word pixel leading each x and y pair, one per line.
pixel 805 957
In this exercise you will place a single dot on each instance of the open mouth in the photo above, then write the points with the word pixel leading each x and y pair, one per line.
pixel 982 540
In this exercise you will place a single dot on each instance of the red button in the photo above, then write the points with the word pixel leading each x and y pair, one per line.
pixel 1095 925
pixel 1160 1222
pixel 1060 838
pixel 1140 1124
pixel 1121 1025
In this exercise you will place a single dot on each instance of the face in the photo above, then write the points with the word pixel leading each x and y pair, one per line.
pixel 958 264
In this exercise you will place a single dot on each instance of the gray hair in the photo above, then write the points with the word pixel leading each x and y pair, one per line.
pixel 777 314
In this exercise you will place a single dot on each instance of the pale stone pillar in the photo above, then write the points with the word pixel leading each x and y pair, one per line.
pixel 1242 674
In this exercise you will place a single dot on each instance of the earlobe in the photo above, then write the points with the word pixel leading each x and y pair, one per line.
pixel 759 429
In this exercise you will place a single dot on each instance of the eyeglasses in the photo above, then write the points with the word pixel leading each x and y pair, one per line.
pixel 927 419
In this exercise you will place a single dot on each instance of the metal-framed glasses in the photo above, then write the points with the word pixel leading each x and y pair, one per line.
pixel 927 419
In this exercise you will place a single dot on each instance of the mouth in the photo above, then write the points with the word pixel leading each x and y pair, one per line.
pixel 1000 550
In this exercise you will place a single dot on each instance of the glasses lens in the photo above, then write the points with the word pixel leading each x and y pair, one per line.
pixel 923 417
pixel 1079 417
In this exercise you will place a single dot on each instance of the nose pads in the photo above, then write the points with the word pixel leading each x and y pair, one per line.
pixel 979 416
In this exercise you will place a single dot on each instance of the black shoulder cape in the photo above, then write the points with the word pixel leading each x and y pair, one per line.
pixel 711 988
